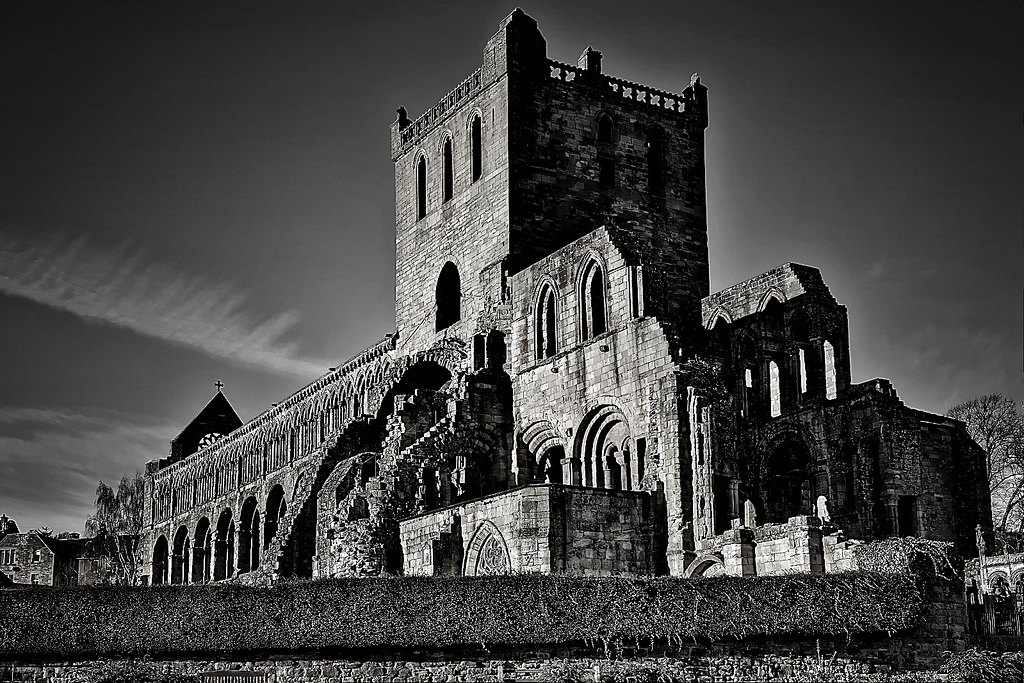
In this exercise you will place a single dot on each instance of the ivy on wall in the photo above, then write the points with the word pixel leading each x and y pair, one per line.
pixel 437 612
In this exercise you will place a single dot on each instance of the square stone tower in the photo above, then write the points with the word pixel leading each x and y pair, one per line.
pixel 525 156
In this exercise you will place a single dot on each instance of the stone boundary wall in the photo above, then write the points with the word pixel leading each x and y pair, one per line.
pixel 862 659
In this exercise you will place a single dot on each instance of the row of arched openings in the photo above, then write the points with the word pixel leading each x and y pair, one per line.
pixel 591 311
pixel 213 553
pixel 785 378
pixel 207 482
pixel 603 455
pixel 448 167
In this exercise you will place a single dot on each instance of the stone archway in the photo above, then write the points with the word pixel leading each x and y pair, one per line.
pixel 160 561
pixel 706 566
pixel 487 553
pixel 601 455
pixel 786 484
pixel 180 563
pixel 202 552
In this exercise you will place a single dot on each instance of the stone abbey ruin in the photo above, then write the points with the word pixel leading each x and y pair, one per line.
pixel 562 392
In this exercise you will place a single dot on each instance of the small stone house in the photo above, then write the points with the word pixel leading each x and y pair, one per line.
pixel 35 559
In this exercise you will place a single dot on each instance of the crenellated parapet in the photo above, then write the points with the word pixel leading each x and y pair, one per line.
pixel 411 132
pixel 691 103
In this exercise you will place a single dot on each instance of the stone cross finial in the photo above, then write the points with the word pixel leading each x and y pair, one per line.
pixel 219 385
pixel 821 509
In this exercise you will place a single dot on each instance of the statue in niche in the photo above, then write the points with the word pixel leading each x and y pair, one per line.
pixel 821 509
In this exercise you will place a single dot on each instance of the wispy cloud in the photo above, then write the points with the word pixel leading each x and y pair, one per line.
pixel 52 460
pixel 123 286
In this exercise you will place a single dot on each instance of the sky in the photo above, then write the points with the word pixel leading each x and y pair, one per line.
pixel 193 192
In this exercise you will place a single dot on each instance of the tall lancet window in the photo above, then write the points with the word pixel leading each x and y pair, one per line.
pixel 546 327
pixel 421 188
pixel 449 173
pixel 592 308
pixel 830 370
pixel 477 143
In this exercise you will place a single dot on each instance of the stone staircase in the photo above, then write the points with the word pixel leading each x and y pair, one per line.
pixel 277 558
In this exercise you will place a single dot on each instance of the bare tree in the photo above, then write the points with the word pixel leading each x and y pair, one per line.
pixel 997 425
pixel 116 526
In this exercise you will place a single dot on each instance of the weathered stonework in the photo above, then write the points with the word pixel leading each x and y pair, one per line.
pixel 33 559
pixel 537 408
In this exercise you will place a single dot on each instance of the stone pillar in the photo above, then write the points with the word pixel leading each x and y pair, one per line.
pixel 807 553
pixel 735 506
pixel 892 524
pixel 738 552
pixel 571 471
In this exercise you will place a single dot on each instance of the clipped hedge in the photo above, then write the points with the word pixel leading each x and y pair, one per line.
pixel 437 612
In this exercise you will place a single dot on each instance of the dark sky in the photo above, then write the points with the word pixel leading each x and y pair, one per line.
pixel 202 191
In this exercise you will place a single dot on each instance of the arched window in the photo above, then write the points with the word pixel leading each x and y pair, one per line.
pixel 477 149
pixel 604 128
pixel 421 188
pixel 772 318
pixel 746 358
pixel 448 297
pixel 830 370
pixel 592 309
pixel 774 391
pixel 800 335
pixel 449 173
pixel 546 337
pixel 719 337
pixel 655 155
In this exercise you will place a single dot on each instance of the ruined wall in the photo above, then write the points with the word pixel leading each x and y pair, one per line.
pixel 613 390
pixel 885 469
pixel 240 497
pixel 538 528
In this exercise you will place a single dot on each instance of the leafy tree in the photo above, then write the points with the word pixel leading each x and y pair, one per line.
pixel 997 425
pixel 116 526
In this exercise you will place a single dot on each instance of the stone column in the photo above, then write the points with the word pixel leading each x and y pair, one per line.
pixel 571 470
pixel 738 552
pixel 892 524
pixel 807 554
pixel 735 507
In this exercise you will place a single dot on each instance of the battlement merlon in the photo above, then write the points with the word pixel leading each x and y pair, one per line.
pixel 518 47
